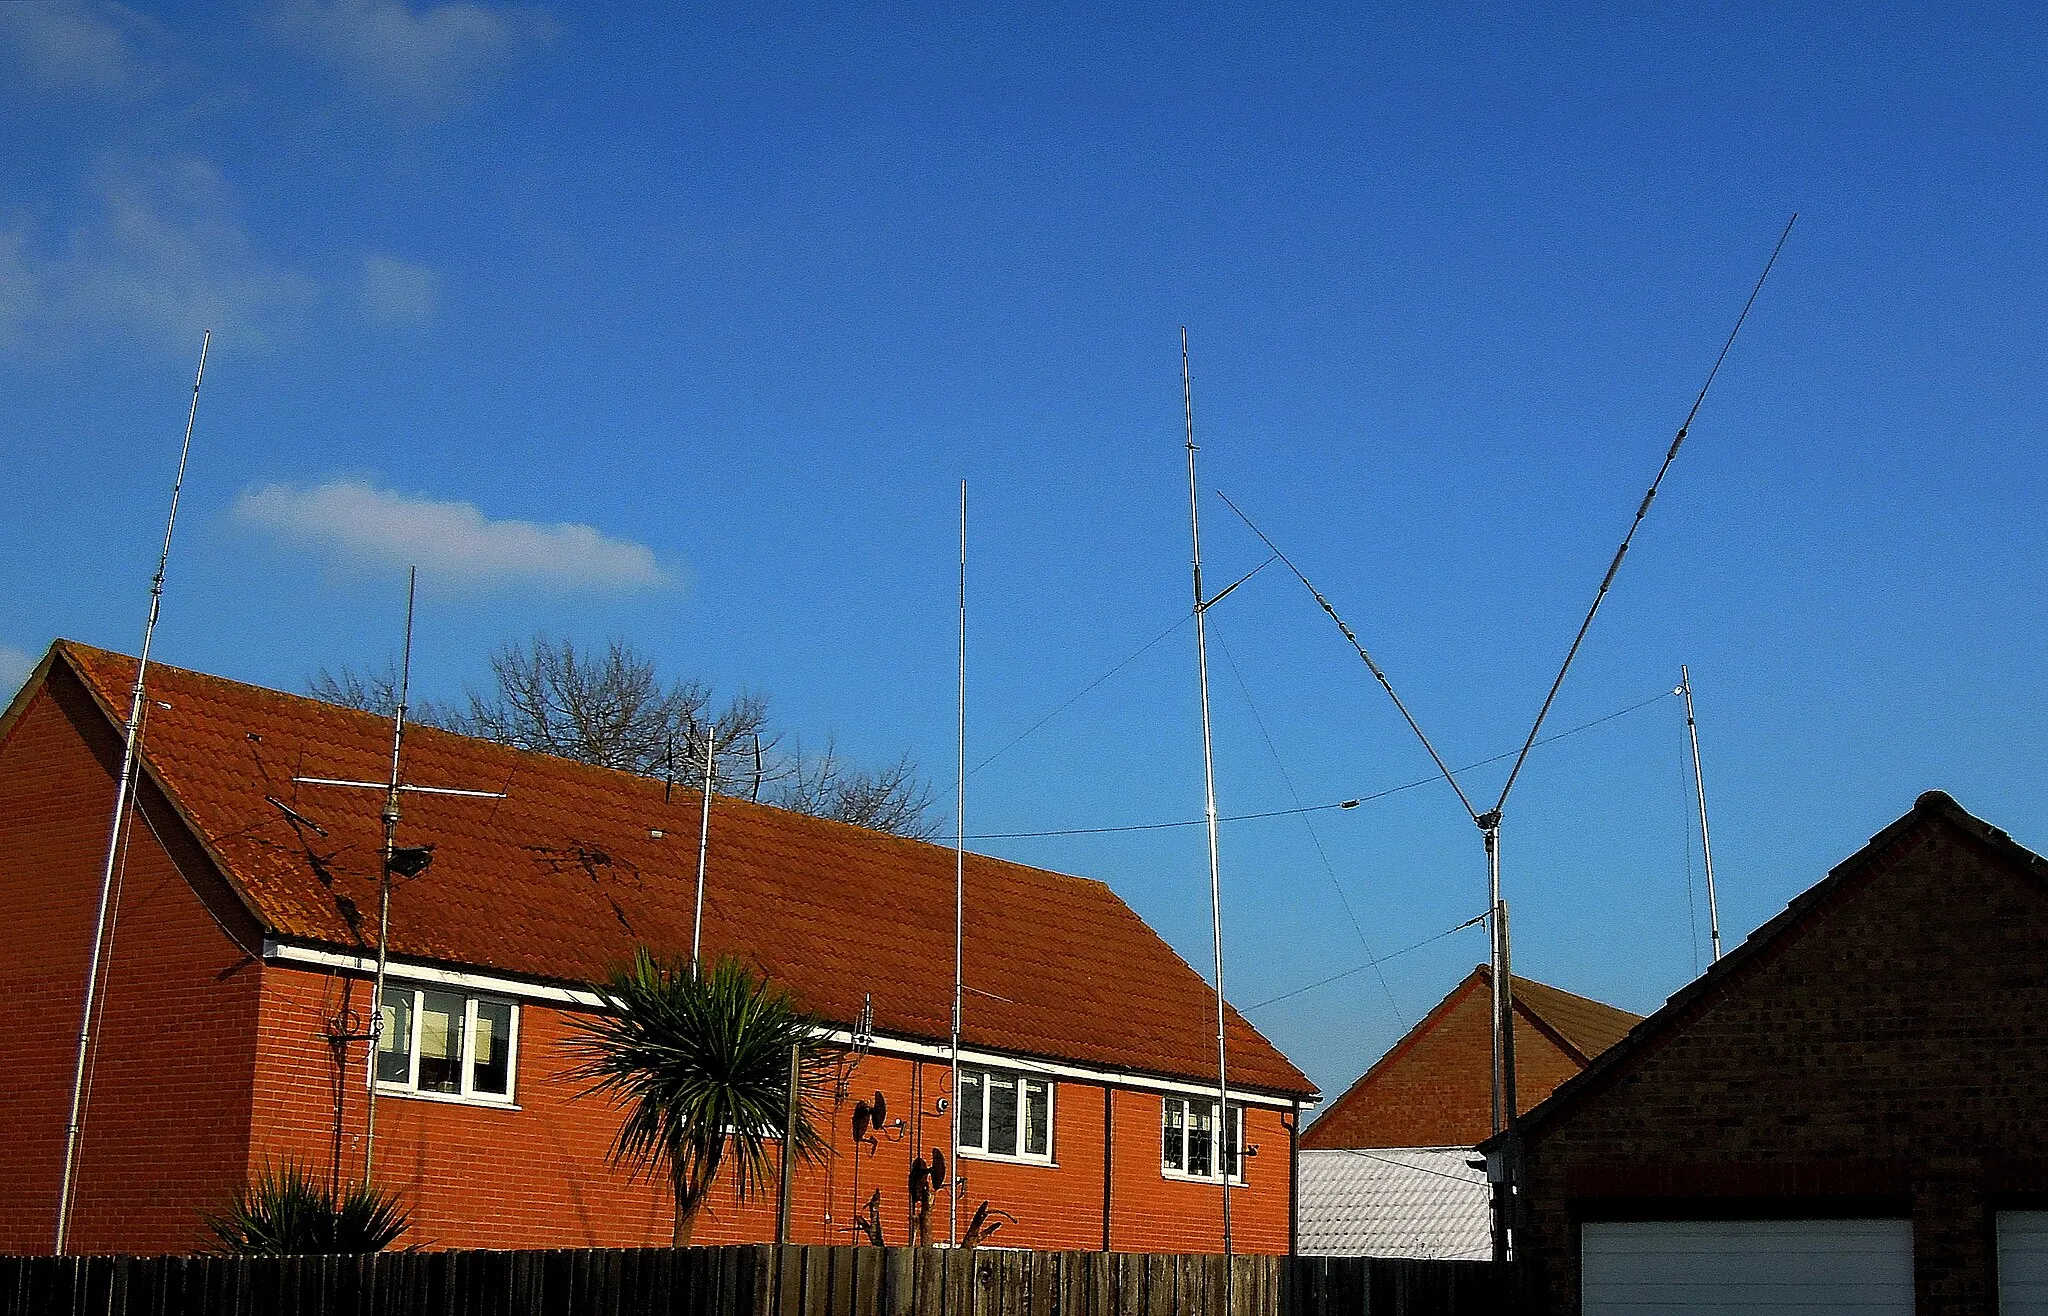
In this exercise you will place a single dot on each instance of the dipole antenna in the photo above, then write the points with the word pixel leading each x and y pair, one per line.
pixel 1224 1161
pixel 1699 787
pixel 703 843
pixel 131 744
pixel 959 883
pixel 1505 1112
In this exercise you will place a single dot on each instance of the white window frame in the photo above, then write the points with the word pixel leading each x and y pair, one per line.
pixel 1188 1105
pixel 467 1095
pixel 1020 1078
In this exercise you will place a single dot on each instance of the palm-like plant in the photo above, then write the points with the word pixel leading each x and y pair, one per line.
pixel 286 1213
pixel 701 1064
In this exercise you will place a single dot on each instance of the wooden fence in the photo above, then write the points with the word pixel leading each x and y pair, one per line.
pixel 751 1281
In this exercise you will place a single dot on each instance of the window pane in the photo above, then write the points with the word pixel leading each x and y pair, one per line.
pixel 1176 1122
pixel 394 1043
pixel 490 1071
pixel 1002 1115
pixel 970 1109
pixel 1037 1118
pixel 1233 1129
pixel 1201 1130
pixel 440 1042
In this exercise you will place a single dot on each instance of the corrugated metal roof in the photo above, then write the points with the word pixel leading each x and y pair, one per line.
pixel 1395 1202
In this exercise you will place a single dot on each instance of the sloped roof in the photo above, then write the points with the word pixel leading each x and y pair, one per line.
pixel 1933 809
pixel 1458 1086
pixel 1395 1202
pixel 560 880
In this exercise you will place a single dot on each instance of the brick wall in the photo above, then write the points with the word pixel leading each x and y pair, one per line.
pixel 212 1063
pixel 536 1176
pixel 1887 1055
pixel 1434 1089
pixel 168 1121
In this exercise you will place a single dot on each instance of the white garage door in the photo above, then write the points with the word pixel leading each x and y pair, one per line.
pixel 1680 1267
pixel 2023 1263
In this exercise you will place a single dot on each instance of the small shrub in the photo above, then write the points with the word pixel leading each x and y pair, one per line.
pixel 286 1213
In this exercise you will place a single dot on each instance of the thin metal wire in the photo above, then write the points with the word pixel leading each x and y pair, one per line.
pixel 1329 869
pixel 1474 921
pixel 1433 778
pixel 1085 690
pixel 1372 666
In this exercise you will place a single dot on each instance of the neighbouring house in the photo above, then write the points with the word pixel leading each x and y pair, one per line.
pixel 237 990
pixel 1849 1112
pixel 1388 1169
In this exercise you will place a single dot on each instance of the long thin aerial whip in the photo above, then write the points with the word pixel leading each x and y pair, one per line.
pixel 1372 666
pixel 123 790
pixel 1699 786
pixel 703 841
pixel 1209 785
pixel 412 578
pixel 1642 510
pixel 959 881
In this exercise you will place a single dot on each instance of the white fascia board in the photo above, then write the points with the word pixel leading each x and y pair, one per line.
pixel 278 952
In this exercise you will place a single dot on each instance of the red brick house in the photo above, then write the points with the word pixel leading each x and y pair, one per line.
pixel 238 985
pixel 1848 1112
pixel 1388 1168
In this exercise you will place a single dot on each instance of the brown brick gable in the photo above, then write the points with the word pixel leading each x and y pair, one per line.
pixel 1433 1087
pixel 1878 1048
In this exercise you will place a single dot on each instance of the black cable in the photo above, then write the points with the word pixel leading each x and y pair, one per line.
pixel 1316 808
pixel 1329 869
pixel 1361 968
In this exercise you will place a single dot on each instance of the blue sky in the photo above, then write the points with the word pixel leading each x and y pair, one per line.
pixel 683 326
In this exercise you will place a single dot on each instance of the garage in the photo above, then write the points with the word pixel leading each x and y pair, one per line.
pixel 1676 1267
pixel 2023 1263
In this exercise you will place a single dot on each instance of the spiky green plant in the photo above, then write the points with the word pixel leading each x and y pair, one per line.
pixel 700 1064
pixel 286 1212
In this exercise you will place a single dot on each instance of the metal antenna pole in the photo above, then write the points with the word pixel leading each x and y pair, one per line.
pixel 1209 799
pixel 1699 787
pixel 130 744
pixel 703 842
pixel 412 576
pixel 959 884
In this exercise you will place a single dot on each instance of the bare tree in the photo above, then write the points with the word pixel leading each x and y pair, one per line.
pixel 892 798
pixel 611 708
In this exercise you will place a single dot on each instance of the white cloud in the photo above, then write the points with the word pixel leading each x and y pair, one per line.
pixel 75 45
pixel 157 248
pixel 14 669
pixel 399 291
pixel 421 56
pixel 452 543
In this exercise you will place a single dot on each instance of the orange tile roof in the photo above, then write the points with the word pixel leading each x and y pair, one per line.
pixel 563 877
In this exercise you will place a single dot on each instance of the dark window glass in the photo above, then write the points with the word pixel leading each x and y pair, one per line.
pixel 490 1072
pixel 1201 1135
pixel 440 1042
pixel 394 1042
pixel 970 1109
pixel 1176 1132
pixel 1037 1118
pixel 1002 1115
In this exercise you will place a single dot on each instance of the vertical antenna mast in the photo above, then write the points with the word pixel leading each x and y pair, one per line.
pixel 1699 787
pixel 123 790
pixel 412 577
pixel 959 883
pixel 1187 393
pixel 703 842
